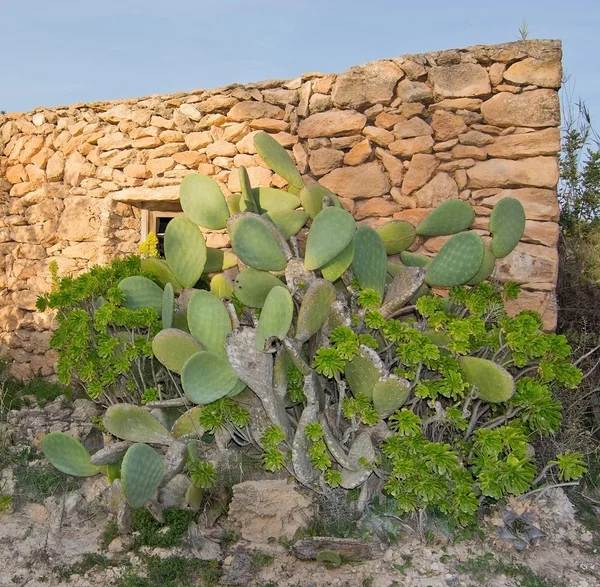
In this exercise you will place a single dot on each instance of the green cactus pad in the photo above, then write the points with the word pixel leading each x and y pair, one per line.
pixel 363 372
pixel 129 422
pixel 207 377
pixel 394 269
pixel 234 203
pixel 362 449
pixel 257 242
pixel 457 262
pixel 273 199
pixel 221 287
pixel 173 347
pixel 370 260
pixel 203 202
pixel 141 473
pixel 276 316
pixel 437 337
pixel 252 287
pixel 451 217
pixel 330 233
pixel 180 321
pixel 507 225
pixel 311 198
pixel 209 321
pixel 396 235
pixel 277 158
pixel 168 306
pixel 161 273
pixel 487 267
pixel 288 222
pixel 415 259
pixel 389 394
pixel 333 270
pixel 218 260
pixel 68 455
pixel 141 292
pixel 314 309
pixel 188 423
pixel 494 383
pixel 249 200
pixel 185 250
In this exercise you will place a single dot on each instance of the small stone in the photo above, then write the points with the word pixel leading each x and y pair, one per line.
pixel 363 181
pixel 496 72
pixel 409 147
pixel 409 91
pixel 441 188
pixel 365 84
pixel 221 149
pixel 252 110
pixel 536 109
pixel 531 71
pixel 447 125
pixel 379 136
pixel 421 170
pixel 359 153
pixel 388 119
pixel 413 127
pixel 332 123
pixel 475 138
pixel 533 171
pixel 393 166
pixel 324 160
pixel 518 146
pixel 469 151
pixel 460 80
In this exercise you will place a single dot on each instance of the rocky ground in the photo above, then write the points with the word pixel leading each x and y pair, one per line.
pixel 67 537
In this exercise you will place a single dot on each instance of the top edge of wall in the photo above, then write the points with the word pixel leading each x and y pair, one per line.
pixel 483 54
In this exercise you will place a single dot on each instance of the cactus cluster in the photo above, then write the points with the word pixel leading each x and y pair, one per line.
pixel 303 293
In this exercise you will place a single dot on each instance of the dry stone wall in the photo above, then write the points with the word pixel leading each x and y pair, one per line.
pixel 394 138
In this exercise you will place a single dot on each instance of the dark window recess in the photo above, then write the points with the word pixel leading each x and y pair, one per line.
pixel 161 226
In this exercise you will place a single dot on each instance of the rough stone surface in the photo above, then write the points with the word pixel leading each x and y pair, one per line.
pixel 391 137
pixel 268 509
pixel 537 108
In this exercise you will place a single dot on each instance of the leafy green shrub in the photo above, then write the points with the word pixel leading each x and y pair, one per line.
pixel 348 371
pixel 103 345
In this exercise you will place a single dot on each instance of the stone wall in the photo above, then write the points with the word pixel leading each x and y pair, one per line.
pixel 393 138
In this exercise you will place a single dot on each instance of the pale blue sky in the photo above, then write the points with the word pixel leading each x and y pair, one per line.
pixel 65 51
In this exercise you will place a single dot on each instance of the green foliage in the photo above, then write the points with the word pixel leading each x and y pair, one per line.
pixel 149 532
pixel 102 345
pixel 202 473
pixel 570 466
pixel 221 412
pixel 273 458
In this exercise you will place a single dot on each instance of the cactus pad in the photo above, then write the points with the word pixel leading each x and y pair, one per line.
pixel 507 225
pixel 396 235
pixel 486 269
pixel 141 292
pixel 333 270
pixel 173 347
pixel 160 272
pixel 415 259
pixel 494 383
pixel 249 200
pixel 188 423
pixel 363 372
pixel 252 287
pixel 277 158
pixel 457 262
pixel 203 202
pixel 221 287
pixel 288 222
pixel 448 218
pixel 257 242
pixel 370 260
pixel 330 233
pixel 389 394
pixel 276 316
pixel 68 455
pixel 271 199
pixel 129 422
pixel 314 309
pixel 311 198
pixel 185 250
pixel 207 377
pixel 168 306
pixel 209 321
pixel 218 260
pixel 141 473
